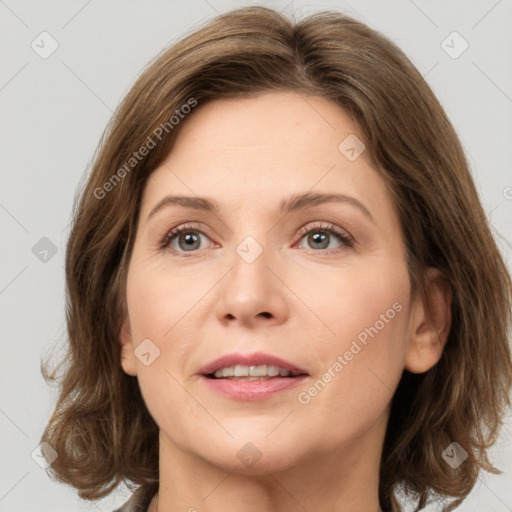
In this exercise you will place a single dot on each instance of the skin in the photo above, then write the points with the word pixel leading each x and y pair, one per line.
pixel 248 155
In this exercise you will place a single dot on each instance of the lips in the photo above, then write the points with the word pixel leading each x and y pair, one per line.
pixel 230 385
pixel 255 359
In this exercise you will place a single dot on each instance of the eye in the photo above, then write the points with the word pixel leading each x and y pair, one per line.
pixel 320 236
pixel 187 238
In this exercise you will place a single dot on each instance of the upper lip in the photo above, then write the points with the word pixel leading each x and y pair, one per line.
pixel 254 359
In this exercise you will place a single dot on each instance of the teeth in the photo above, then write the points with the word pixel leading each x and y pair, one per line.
pixel 273 371
pixel 228 372
pixel 241 371
pixel 262 371
pixel 258 371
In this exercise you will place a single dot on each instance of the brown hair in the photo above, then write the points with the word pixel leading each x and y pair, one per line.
pixel 101 428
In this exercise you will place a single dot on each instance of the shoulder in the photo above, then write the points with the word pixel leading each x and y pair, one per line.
pixel 139 500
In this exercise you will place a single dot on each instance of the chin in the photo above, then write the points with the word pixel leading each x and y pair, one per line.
pixel 249 461
pixel 251 452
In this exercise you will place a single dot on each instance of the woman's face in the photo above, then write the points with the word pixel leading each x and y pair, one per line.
pixel 254 278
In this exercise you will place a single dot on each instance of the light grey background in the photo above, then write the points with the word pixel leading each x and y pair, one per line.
pixel 54 110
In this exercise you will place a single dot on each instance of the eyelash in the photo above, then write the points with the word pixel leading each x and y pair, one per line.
pixel 346 239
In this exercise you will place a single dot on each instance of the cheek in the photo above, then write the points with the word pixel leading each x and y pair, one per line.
pixel 362 300
pixel 160 308
pixel 361 364
pixel 159 297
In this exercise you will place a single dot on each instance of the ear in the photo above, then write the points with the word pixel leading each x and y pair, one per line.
pixel 430 323
pixel 128 362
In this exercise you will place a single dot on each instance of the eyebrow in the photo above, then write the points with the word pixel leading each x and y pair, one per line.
pixel 288 205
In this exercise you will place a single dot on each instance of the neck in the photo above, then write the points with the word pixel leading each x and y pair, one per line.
pixel 341 480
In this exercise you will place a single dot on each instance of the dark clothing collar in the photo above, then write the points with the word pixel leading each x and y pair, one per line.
pixel 140 499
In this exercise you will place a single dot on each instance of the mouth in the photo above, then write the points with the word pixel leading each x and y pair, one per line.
pixel 253 372
pixel 256 376
pixel 255 366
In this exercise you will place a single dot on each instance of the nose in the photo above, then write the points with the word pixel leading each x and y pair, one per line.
pixel 253 292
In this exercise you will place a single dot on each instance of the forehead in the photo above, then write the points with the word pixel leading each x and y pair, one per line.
pixel 272 119
pixel 259 150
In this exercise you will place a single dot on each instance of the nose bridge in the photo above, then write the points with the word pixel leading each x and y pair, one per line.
pixel 250 275
pixel 251 236
pixel 251 290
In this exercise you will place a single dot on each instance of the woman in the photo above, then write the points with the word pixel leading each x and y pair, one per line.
pixel 217 358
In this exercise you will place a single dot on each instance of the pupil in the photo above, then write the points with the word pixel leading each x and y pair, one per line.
pixel 190 239
pixel 320 237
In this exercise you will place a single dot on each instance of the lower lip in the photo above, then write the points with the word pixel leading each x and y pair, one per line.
pixel 252 389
